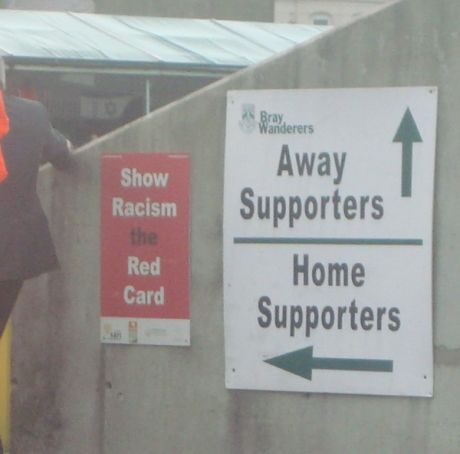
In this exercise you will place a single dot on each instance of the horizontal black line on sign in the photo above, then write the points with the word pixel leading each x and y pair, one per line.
pixel 333 241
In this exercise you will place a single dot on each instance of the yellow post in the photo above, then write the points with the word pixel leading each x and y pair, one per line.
pixel 5 387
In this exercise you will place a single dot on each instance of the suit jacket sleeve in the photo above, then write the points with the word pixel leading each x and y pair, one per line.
pixel 56 149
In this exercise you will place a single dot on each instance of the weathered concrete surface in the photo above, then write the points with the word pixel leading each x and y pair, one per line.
pixel 254 10
pixel 74 396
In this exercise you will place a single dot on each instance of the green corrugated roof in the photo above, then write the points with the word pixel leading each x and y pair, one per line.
pixel 93 40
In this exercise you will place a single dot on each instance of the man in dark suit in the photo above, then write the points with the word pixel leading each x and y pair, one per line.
pixel 26 248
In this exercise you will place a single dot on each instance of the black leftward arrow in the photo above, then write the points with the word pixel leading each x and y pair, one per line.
pixel 302 362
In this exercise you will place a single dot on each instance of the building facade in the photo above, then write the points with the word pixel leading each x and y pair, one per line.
pixel 315 12
pixel 324 12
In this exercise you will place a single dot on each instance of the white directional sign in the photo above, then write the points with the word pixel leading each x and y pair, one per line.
pixel 328 212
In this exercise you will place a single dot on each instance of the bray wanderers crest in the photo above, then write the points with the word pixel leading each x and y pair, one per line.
pixel 248 118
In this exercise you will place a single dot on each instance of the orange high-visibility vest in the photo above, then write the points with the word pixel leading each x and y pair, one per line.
pixel 4 129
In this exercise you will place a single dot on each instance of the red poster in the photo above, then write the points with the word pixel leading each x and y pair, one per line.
pixel 145 249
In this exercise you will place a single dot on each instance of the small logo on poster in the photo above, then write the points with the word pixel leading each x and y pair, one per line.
pixel 132 332
pixel 110 334
pixel 248 118
pixel 106 329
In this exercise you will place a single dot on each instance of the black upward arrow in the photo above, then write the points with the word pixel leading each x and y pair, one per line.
pixel 407 134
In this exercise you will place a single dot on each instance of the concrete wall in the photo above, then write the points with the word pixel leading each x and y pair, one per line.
pixel 71 395
pixel 253 10
pixel 79 6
